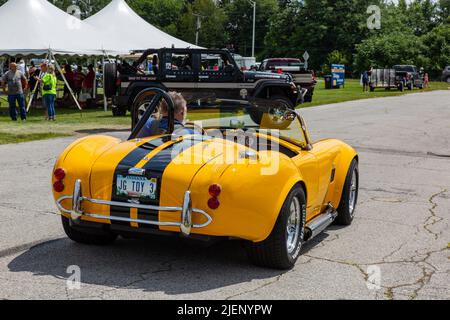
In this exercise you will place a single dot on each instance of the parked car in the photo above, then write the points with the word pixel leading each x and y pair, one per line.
pixel 304 79
pixel 234 178
pixel 196 73
pixel 410 75
pixel 446 74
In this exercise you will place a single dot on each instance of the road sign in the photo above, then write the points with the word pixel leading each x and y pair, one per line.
pixel 306 57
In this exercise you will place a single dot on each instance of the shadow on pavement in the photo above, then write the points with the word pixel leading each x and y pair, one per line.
pixel 157 264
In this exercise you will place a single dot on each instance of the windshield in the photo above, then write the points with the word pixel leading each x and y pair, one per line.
pixel 225 119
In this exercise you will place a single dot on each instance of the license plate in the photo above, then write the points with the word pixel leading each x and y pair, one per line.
pixel 136 187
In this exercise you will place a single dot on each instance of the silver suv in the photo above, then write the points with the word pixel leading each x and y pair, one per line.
pixel 446 74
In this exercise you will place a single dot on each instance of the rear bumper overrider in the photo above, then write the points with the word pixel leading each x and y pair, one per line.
pixel 186 211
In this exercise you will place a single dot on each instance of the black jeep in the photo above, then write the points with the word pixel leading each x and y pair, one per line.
pixel 199 74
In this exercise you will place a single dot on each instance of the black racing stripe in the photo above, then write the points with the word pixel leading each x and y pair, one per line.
pixel 155 169
pixel 130 161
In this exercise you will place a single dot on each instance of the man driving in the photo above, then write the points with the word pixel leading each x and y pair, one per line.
pixel 159 124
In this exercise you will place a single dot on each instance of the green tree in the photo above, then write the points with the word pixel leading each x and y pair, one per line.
pixel 384 51
pixel 437 49
pixel 213 18
pixel 163 14
pixel 240 23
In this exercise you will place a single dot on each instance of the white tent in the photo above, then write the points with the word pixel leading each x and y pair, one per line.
pixel 129 31
pixel 35 27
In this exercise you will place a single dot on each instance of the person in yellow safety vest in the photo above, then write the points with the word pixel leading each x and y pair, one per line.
pixel 49 82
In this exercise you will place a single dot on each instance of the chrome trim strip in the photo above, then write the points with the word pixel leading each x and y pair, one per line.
pixel 136 172
pixel 186 211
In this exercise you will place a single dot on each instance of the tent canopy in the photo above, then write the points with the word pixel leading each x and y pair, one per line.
pixel 128 31
pixel 33 27
pixel 115 30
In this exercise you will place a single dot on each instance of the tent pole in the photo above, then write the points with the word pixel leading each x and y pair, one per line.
pixel 95 80
pixel 105 100
pixel 65 81
pixel 35 87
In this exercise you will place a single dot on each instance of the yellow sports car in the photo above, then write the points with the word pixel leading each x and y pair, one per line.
pixel 234 170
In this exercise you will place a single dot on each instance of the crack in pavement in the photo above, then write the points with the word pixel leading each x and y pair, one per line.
pixel 346 263
pixel 427 273
pixel 143 276
pixel 270 282
pixel 433 218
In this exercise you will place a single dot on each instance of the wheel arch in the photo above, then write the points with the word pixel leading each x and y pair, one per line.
pixel 267 89
pixel 347 156
pixel 289 186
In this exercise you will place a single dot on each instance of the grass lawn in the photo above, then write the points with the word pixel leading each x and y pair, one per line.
pixel 69 122
pixel 353 91
pixel 72 122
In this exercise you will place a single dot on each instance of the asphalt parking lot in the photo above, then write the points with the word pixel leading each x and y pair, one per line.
pixel 400 238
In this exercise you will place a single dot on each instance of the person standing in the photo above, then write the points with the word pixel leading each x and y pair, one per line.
pixel 32 82
pixel 365 81
pixel 426 81
pixel 14 79
pixel 70 77
pixel 78 79
pixel 88 85
pixel 49 82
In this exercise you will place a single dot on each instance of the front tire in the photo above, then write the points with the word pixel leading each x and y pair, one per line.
pixel 282 248
pixel 347 206
pixel 98 238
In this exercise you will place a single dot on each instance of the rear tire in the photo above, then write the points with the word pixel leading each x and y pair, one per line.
pixel 110 85
pixel 282 248
pixel 98 238
pixel 119 112
pixel 347 206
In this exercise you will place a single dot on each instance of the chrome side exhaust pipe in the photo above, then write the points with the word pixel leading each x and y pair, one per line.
pixel 320 223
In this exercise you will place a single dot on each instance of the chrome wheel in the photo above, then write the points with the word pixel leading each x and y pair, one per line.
pixel 142 108
pixel 293 225
pixel 277 115
pixel 353 192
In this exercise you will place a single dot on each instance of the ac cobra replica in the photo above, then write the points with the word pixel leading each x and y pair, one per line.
pixel 235 176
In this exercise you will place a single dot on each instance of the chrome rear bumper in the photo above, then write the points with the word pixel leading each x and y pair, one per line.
pixel 186 211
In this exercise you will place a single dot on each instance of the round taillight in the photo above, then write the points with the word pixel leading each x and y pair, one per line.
pixel 60 174
pixel 213 203
pixel 58 186
pixel 280 71
pixel 215 190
